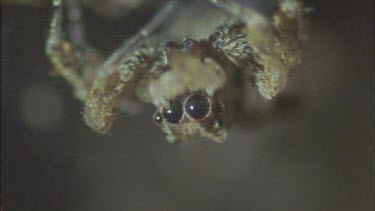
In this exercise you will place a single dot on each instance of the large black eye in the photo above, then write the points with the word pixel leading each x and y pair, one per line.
pixel 197 106
pixel 174 113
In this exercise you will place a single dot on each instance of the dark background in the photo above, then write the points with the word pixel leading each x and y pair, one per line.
pixel 319 157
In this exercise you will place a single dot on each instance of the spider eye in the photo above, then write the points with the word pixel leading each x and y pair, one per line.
pixel 158 119
pixel 217 108
pixel 219 122
pixel 197 106
pixel 174 113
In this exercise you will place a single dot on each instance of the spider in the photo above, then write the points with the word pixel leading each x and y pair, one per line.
pixel 196 86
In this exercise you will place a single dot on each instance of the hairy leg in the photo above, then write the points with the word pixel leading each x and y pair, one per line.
pixel 71 57
pixel 119 73
pixel 80 65
pixel 258 28
pixel 288 23
pixel 250 109
pixel 270 72
pixel 104 100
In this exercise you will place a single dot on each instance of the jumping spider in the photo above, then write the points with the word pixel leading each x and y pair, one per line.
pixel 197 86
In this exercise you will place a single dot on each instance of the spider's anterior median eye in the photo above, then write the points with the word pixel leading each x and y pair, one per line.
pixel 174 113
pixel 197 106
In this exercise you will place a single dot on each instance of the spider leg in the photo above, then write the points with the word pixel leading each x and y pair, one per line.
pixel 249 109
pixel 288 22
pixel 71 58
pixel 230 39
pixel 259 30
pixel 263 53
pixel 76 27
pixel 118 74
pixel 104 100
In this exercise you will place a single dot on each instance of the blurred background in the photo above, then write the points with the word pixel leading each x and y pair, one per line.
pixel 318 157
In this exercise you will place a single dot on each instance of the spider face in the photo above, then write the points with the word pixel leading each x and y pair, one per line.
pixel 192 115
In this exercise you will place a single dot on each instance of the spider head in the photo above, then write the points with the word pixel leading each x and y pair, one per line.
pixel 191 116
pixel 184 89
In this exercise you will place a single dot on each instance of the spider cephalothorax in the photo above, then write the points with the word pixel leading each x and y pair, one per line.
pixel 198 86
pixel 185 88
